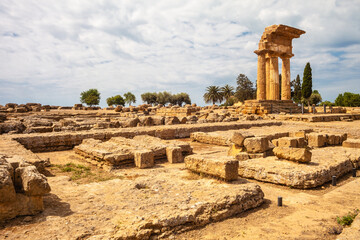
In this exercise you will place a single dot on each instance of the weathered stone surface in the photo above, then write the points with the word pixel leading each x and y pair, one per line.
pixel 237 138
pixel 242 156
pixel 257 155
pixel 316 139
pixel 293 154
pixel 120 151
pixel 30 181
pixel 256 144
pixel 296 142
pixel 7 190
pixel 144 158
pixel 325 163
pixel 24 205
pixel 352 232
pixel 174 154
pixel 351 143
pixel 225 167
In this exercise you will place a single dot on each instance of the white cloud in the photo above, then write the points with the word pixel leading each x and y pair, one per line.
pixel 50 51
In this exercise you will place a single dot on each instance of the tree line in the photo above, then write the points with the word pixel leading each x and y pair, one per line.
pixel 165 97
pixel 92 97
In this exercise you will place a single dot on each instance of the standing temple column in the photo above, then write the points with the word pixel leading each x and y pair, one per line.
pixel 274 78
pixel 285 79
pixel 267 78
pixel 261 78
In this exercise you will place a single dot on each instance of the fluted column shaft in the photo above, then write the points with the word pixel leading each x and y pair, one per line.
pixel 261 78
pixel 267 78
pixel 274 79
pixel 285 79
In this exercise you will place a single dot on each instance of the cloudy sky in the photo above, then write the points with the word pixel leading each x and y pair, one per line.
pixel 51 50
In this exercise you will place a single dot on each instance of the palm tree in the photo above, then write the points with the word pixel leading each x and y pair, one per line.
pixel 213 94
pixel 227 91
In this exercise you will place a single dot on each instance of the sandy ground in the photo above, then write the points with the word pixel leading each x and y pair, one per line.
pixel 305 214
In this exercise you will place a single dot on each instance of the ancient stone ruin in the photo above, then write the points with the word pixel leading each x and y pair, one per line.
pixel 21 188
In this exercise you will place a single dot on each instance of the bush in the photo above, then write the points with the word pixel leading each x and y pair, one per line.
pixel 347 219
pixel 90 97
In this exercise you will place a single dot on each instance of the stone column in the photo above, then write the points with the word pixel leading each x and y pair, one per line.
pixel 261 78
pixel 285 79
pixel 267 78
pixel 274 78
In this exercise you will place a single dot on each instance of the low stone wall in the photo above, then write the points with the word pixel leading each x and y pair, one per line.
pixel 64 141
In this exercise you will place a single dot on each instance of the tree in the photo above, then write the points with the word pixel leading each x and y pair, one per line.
pixel 306 88
pixel 163 97
pixel 315 97
pixel 90 97
pixel 280 86
pixel 227 91
pixel 180 98
pixel 348 100
pixel 327 103
pixel 129 98
pixel 245 89
pixel 296 83
pixel 213 94
pixel 115 100
pixel 149 98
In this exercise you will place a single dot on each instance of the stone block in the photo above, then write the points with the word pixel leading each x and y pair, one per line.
pixel 31 181
pixel 174 154
pixel 316 140
pixel 257 155
pixel 256 144
pixel 237 138
pixel 351 143
pixel 7 190
pixel 296 142
pixel 242 156
pixel 144 159
pixel 225 167
pixel 293 154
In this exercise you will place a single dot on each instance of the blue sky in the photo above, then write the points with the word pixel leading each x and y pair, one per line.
pixel 51 51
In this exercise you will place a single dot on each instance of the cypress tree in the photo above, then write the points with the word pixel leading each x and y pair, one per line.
pixel 306 88
pixel 297 89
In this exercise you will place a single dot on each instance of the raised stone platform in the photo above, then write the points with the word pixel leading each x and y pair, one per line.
pixel 262 107
pixel 325 163
pixel 122 151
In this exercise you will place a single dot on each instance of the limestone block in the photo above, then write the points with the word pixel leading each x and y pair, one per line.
pixel 285 142
pixel 225 168
pixel 351 143
pixel 24 205
pixel 242 156
pixel 144 159
pixel 257 155
pixel 237 138
pixel 256 144
pixel 29 180
pixel 174 154
pixel 316 140
pixel 289 142
pixel 293 154
pixel 7 190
